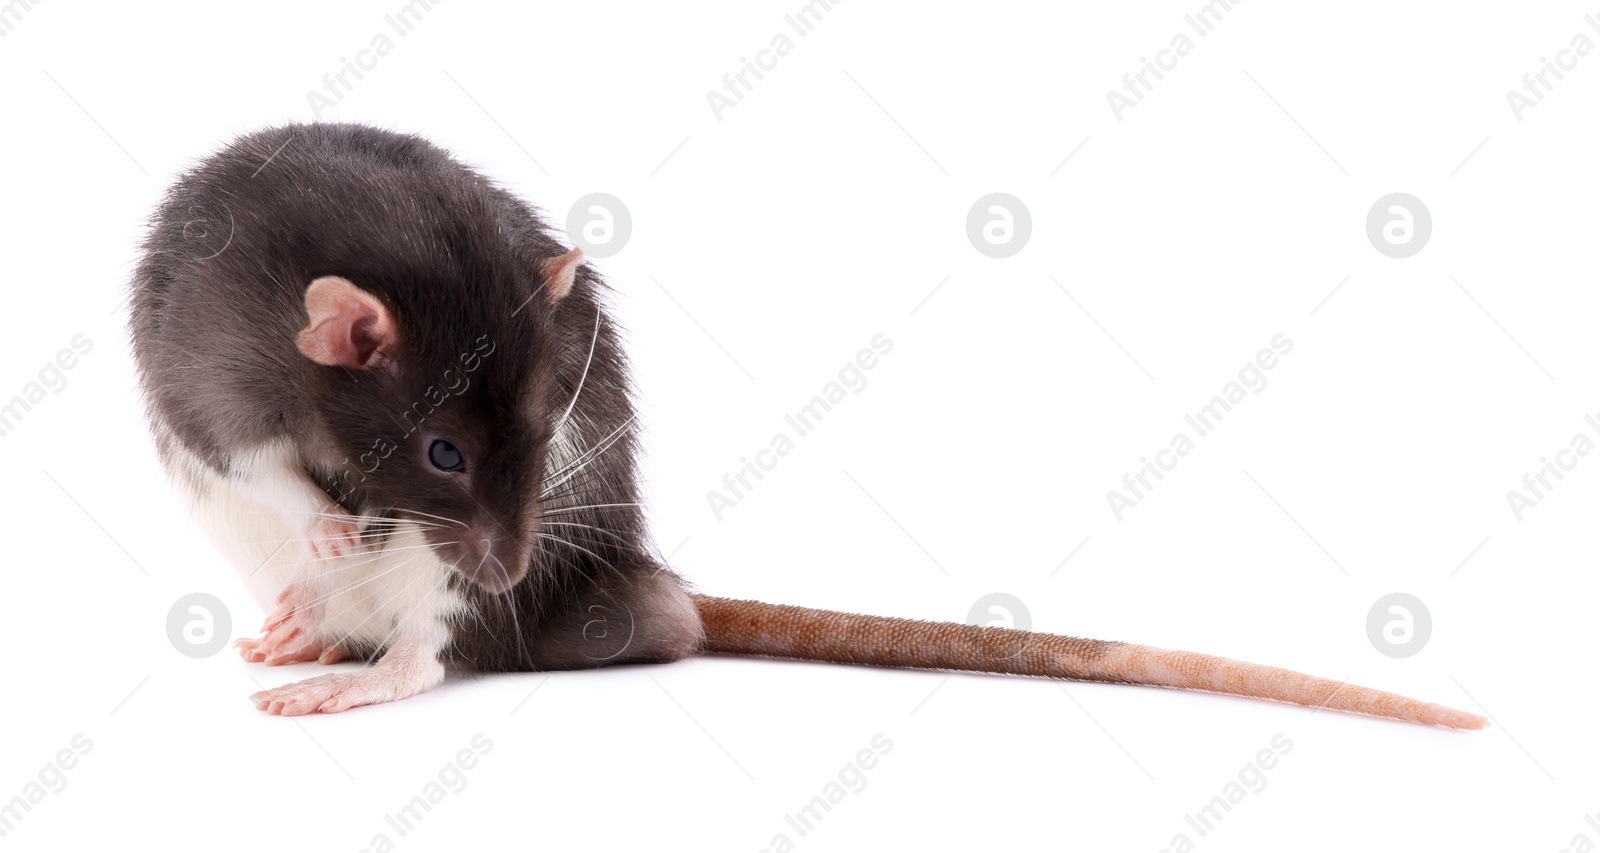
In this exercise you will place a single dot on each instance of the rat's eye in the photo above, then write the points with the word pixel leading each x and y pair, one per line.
pixel 445 456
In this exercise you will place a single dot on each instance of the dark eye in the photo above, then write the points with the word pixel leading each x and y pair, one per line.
pixel 445 456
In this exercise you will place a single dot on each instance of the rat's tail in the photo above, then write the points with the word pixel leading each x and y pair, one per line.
pixel 784 631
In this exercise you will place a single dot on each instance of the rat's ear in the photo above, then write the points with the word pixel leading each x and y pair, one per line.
pixel 348 326
pixel 560 272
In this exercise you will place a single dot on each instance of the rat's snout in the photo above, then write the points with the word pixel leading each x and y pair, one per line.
pixel 490 558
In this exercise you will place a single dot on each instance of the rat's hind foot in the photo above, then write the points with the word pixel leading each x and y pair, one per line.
pixel 290 634
pixel 391 679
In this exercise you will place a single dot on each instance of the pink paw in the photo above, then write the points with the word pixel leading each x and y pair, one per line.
pixel 330 694
pixel 289 635
pixel 334 534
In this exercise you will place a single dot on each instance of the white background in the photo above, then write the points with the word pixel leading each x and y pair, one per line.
pixel 817 213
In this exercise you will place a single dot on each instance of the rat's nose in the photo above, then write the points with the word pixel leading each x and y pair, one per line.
pixel 488 559
pixel 477 547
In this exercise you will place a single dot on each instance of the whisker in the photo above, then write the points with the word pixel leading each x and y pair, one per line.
pixel 576 485
pixel 472 610
pixel 363 582
pixel 376 519
pixel 621 540
pixel 561 421
pixel 376 552
pixel 570 563
pixel 603 561
pixel 430 515
pixel 370 523
pixel 377 529
pixel 508 605
pixel 600 447
pixel 586 506
pixel 588 485
pixel 589 456
pixel 368 557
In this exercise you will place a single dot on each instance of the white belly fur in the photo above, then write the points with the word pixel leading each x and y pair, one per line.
pixel 378 595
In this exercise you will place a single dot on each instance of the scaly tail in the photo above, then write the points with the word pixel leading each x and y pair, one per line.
pixel 785 631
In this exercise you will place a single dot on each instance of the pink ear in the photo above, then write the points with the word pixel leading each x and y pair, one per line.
pixel 560 272
pixel 348 326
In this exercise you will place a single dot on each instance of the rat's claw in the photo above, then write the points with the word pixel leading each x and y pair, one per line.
pixel 247 650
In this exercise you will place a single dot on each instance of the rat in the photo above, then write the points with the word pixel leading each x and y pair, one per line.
pixel 399 406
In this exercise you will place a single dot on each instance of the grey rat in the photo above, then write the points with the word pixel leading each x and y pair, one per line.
pixel 398 404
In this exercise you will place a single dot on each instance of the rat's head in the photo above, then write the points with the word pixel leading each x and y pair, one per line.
pixel 446 426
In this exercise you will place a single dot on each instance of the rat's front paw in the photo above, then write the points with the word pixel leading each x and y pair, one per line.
pixel 333 533
pixel 290 634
